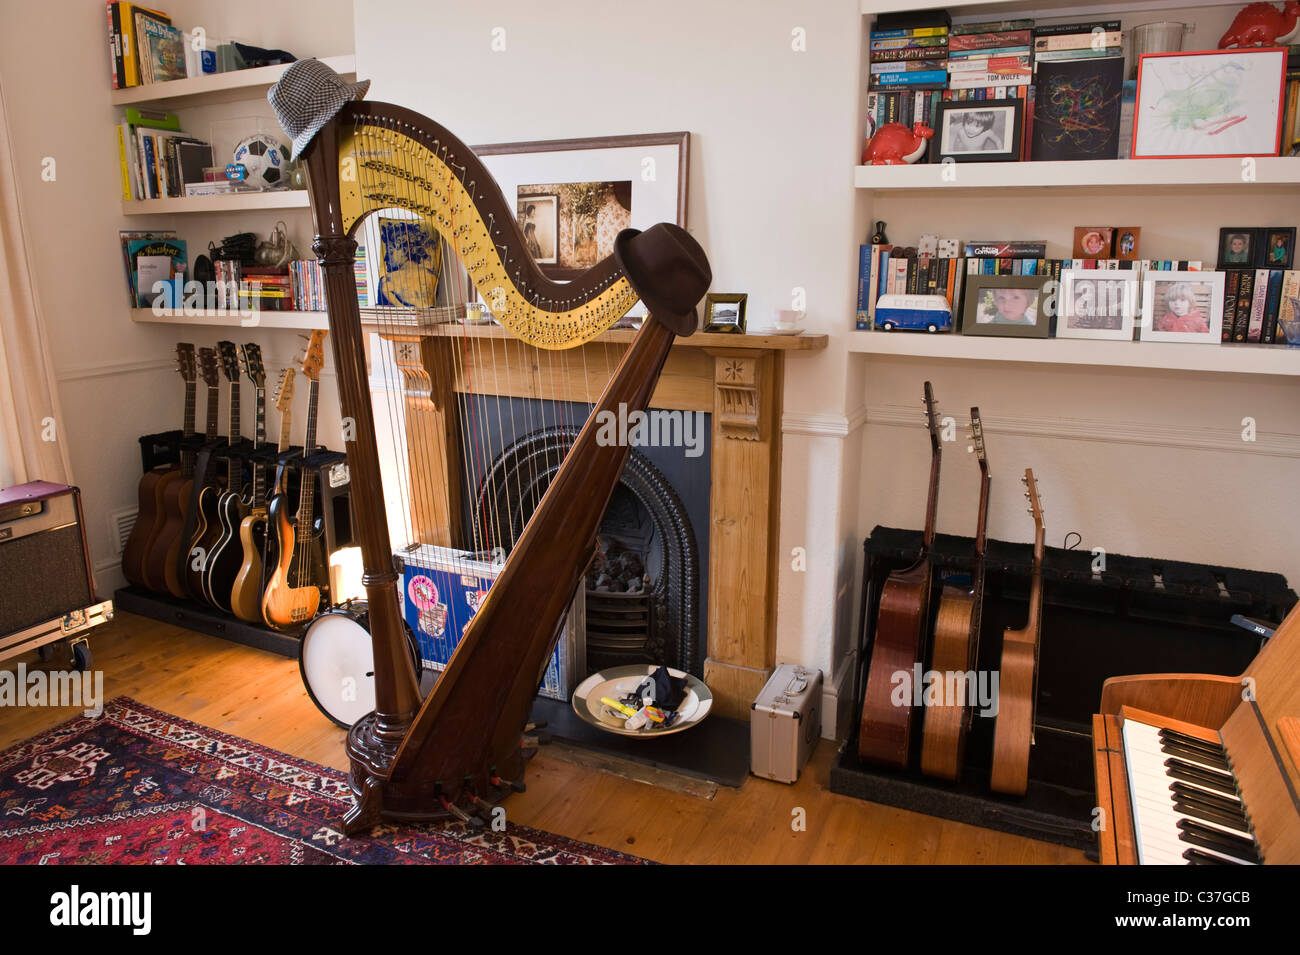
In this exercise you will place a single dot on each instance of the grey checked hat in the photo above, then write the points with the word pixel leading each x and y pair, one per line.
pixel 307 97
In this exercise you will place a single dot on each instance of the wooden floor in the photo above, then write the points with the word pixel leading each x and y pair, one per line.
pixel 260 697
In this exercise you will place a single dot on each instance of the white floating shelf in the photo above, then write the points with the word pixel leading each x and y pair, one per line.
pixel 219 87
pixel 975 10
pixel 1145 175
pixel 235 202
pixel 211 318
pixel 1170 356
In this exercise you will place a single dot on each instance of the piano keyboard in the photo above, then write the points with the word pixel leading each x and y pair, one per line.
pixel 1186 807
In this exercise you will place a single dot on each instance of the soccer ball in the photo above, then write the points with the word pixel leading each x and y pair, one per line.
pixel 264 159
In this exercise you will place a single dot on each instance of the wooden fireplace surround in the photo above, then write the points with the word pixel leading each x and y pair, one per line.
pixel 736 378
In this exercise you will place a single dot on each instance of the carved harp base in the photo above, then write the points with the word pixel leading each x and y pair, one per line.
pixel 472 799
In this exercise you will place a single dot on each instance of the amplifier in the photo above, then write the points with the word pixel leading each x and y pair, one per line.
pixel 45 574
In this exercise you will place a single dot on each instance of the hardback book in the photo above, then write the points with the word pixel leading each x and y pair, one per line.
pixel 125 238
pixel 983 41
pixel 908 54
pixel 1245 299
pixel 1231 281
pixel 1272 305
pixel 1077 109
pixel 129 39
pixel 907 66
pixel 909 43
pixel 1076 41
pixel 162 50
pixel 994 26
pixel 155 260
pixel 1064 29
pixel 998 249
pixel 115 45
pixel 1257 305
pixel 863 321
pixel 1288 310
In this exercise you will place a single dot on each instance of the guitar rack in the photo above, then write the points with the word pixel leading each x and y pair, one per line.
pixel 1137 615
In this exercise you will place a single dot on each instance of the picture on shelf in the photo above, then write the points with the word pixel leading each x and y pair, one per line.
pixel 1237 247
pixel 1016 306
pixel 410 256
pixel 725 312
pixel 1093 242
pixel 539 219
pixel 1126 243
pixel 1076 109
pixel 1277 248
pixel 1098 303
pixel 1182 307
pixel 1210 103
pixel 988 131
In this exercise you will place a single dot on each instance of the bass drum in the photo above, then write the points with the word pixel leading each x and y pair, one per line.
pixel 337 662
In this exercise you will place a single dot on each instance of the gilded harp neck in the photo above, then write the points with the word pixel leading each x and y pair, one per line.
pixel 392 158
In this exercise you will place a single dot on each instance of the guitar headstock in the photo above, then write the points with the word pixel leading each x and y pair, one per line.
pixel 229 360
pixel 1036 509
pixel 208 369
pixel 931 418
pixel 185 362
pixel 314 359
pixel 977 439
pixel 253 367
pixel 284 391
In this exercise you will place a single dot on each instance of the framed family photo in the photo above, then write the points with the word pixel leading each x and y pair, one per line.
pixel 1238 247
pixel 1008 306
pixel 1098 303
pixel 1182 307
pixel 1211 103
pixel 984 131
pixel 725 312
pixel 1276 248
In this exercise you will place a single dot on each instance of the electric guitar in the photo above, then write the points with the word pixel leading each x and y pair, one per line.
pixel 150 516
pixel 246 593
pixel 227 557
pixel 165 560
pixel 1013 733
pixel 956 644
pixel 293 594
pixel 207 528
pixel 885 731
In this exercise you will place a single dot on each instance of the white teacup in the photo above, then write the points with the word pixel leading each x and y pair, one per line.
pixel 786 318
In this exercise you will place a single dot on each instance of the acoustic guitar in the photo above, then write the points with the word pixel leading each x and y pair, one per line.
pixel 254 537
pixel 227 556
pixel 885 731
pixel 207 527
pixel 166 557
pixel 293 594
pixel 956 644
pixel 1013 733
pixel 150 516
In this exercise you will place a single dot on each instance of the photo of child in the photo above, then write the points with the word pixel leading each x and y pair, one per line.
pixel 1008 306
pixel 1278 252
pixel 974 131
pixel 1236 247
pixel 1181 313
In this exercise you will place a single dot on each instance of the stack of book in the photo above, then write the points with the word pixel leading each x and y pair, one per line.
pixel 908 69
pixel 1076 111
pixel 157 159
pixel 143 46
pixel 265 289
pixel 990 60
pixel 1256 303
pixel 161 243
pixel 308 285
pixel 1077 41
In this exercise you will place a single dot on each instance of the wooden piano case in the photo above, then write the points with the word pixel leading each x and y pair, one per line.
pixel 1139 615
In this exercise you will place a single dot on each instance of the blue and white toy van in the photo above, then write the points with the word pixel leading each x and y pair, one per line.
pixel 930 313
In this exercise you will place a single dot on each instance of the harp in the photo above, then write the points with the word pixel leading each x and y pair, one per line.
pixel 458 752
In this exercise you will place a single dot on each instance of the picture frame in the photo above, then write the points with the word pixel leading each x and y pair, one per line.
pixel 1098 303
pixel 979 131
pixel 406 266
pixel 1027 315
pixel 1276 248
pixel 600 186
pixel 1093 242
pixel 720 318
pixel 1238 247
pixel 539 217
pixel 1182 307
pixel 1210 103
pixel 1127 240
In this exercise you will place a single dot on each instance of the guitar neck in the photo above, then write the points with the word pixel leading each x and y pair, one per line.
pixel 259 439
pixel 191 403
pixel 932 501
pixel 214 398
pixel 307 491
pixel 232 466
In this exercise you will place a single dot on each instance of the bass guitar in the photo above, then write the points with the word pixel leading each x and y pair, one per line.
pixel 150 515
pixel 227 556
pixel 246 593
pixel 166 558
pixel 885 731
pixel 207 527
pixel 956 644
pixel 1013 733
pixel 293 594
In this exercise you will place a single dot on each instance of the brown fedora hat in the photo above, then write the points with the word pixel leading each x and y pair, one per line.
pixel 668 269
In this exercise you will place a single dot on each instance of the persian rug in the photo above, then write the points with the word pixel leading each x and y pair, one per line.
pixel 139 786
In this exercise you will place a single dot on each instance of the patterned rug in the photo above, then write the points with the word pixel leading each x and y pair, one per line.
pixel 138 786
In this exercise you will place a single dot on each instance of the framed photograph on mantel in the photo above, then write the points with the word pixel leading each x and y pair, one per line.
pixel 574 196
pixel 979 131
pixel 1008 306
pixel 1213 103
pixel 1098 303
pixel 1182 307
pixel 725 312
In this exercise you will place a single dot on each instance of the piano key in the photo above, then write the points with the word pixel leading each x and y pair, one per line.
pixel 1201 813
pixel 1193 775
pixel 1217 800
pixel 1196 756
pixel 1217 775
pixel 1194 741
pixel 1220 842
pixel 1197 857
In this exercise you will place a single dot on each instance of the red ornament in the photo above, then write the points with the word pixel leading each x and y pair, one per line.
pixel 1262 24
pixel 896 145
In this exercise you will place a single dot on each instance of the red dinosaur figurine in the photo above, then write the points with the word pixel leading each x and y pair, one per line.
pixel 1262 24
pixel 896 145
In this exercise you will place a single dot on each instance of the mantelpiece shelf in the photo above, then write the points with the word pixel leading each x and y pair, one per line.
pixel 1169 356
pixel 219 87
pixel 210 318
pixel 1144 175
pixel 975 10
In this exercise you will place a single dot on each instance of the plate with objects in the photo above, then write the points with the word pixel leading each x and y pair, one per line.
pixel 605 701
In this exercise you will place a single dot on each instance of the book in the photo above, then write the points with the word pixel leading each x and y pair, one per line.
pixel 909 43
pixel 992 64
pixel 129 43
pixel 115 46
pixel 154 261
pixel 1260 298
pixel 994 26
pixel 996 249
pixel 1059 29
pixel 192 158
pixel 966 56
pixel 990 81
pixel 980 41
pixel 1272 304
pixel 935 78
pixel 1076 41
pixel 153 118
pixel 125 237
pixel 1057 55
pixel 909 54
pixel 1245 298
pixel 1077 109
pixel 1288 311
pixel 917 32
pixel 1231 281
pixel 162 50
pixel 863 321
pixel 907 66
